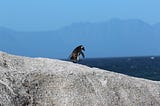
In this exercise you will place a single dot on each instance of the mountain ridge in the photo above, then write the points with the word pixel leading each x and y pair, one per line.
pixel 115 37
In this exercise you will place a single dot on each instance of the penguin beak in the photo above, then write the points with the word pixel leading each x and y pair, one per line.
pixel 83 49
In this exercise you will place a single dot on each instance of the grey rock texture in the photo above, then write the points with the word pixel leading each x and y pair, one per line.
pixel 49 82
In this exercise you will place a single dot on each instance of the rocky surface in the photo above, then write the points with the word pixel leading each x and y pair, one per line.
pixel 49 82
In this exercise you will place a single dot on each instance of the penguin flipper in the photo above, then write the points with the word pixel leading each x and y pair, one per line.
pixel 82 54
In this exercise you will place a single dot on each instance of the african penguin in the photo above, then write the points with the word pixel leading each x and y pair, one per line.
pixel 74 57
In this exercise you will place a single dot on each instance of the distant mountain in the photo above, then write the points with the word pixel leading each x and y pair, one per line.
pixel 112 38
pixel 7 41
pixel 6 33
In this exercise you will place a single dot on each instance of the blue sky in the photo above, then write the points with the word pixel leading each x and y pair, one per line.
pixel 30 15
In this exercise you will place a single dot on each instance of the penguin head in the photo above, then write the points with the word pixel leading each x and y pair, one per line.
pixel 82 47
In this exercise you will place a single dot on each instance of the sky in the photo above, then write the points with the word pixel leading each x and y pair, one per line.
pixel 38 15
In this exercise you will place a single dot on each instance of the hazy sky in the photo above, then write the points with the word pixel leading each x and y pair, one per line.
pixel 29 15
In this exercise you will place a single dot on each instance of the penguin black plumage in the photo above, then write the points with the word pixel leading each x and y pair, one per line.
pixel 74 57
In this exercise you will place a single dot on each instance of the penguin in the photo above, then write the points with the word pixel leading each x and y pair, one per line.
pixel 74 57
